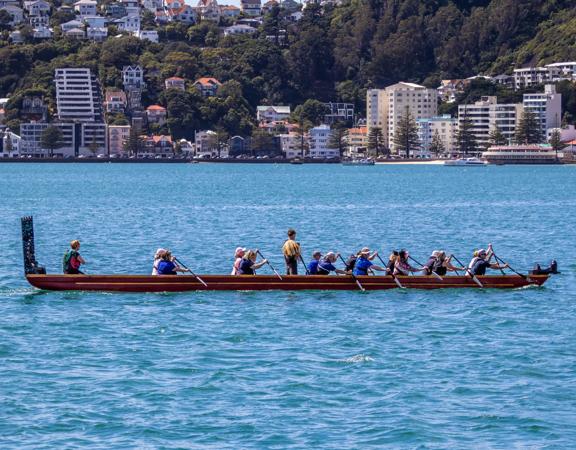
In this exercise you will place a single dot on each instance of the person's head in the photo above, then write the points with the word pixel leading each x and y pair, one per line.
pixel 330 257
pixel 159 253
pixel 291 233
pixel 250 255
pixel 317 255
pixel 475 254
pixel 482 253
pixel 393 256
pixel 403 255
pixel 441 255
pixel 435 254
pixel 239 253
pixel 167 255
pixel 75 244
pixel 364 253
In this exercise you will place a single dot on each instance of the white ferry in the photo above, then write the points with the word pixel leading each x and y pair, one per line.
pixel 465 162
pixel 522 154
pixel 359 162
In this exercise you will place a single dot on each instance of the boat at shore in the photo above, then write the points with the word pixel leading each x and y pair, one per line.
pixel 185 283
pixel 359 162
pixel 465 162
pixel 522 154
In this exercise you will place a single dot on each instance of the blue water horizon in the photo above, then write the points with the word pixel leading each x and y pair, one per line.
pixel 342 370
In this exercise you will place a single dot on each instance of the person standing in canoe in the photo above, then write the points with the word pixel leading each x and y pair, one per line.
pixel 326 265
pixel 292 252
pixel 248 264
pixel 72 260
pixel 480 263
pixel 363 262
pixel 169 266
pixel 238 255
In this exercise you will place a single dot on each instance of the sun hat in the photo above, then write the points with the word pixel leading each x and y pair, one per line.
pixel 240 250
pixel 159 253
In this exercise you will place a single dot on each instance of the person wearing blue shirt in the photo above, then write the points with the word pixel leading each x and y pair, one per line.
pixel 168 265
pixel 364 263
pixel 326 265
pixel 313 265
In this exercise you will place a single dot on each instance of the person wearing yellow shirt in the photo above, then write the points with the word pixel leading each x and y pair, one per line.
pixel 292 252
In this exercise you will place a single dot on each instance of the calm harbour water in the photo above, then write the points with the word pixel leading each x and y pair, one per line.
pixel 342 370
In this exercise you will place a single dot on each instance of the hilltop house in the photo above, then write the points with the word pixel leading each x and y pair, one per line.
pixel 272 113
pixel 207 86
pixel 175 83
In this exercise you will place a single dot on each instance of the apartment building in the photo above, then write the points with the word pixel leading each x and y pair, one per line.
pixel 78 95
pixel 486 115
pixel 385 107
pixel 318 141
pixel 547 107
pixel 445 126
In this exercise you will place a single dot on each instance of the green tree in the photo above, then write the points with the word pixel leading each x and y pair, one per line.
pixel 465 139
pixel 312 111
pixel 51 139
pixel 406 134
pixel 528 130
pixel 8 148
pixel 497 138
pixel 133 144
pixel 375 141
pixel 5 20
pixel 337 139
pixel 555 141
pixel 262 142
pixel 437 146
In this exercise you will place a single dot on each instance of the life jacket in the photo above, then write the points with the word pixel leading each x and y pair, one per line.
pixel 390 266
pixel 321 269
pixel 473 262
pixel 431 265
pixel 246 267
pixel 70 261
pixel 351 262
pixel 479 267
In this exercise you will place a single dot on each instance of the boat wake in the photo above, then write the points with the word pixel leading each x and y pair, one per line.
pixel 356 359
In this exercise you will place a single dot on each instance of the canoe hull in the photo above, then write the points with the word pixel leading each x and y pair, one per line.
pixel 183 283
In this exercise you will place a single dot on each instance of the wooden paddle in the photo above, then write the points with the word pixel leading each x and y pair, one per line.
pixel 498 260
pixel 353 276
pixel 192 273
pixel 476 280
pixel 396 280
pixel 304 264
pixel 268 262
pixel 431 271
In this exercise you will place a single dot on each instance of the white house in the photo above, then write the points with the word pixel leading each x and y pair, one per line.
pixel 9 140
pixel 66 26
pixel 128 23
pixel 16 13
pixel 86 7
pixel 16 37
pixel 43 33
pixel 291 145
pixel 318 140
pixel 37 8
pixel 239 29
pixel 229 11
pixel 251 8
pixel 272 113
pixel 132 77
pixel 75 33
pixel 95 21
pixel 97 33
pixel 146 35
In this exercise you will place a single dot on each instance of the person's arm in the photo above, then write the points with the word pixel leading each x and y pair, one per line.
pixel 380 268
pixel 498 266
pixel 342 272
pixel 452 268
pixel 260 264
pixel 372 256
pixel 80 259
pixel 178 268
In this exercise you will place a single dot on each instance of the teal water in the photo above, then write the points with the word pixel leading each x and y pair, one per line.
pixel 342 370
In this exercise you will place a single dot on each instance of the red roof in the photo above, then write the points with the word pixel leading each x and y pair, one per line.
pixel 155 108
pixel 174 79
pixel 161 137
pixel 208 81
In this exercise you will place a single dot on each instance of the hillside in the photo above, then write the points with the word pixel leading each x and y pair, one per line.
pixel 332 53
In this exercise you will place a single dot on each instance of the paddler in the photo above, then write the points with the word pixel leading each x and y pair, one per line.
pixel 402 266
pixel 313 265
pixel 292 252
pixel 238 255
pixel 169 266
pixel 72 260
pixel 363 262
pixel 157 258
pixel 439 264
pixel 326 265
pixel 248 264
pixel 480 263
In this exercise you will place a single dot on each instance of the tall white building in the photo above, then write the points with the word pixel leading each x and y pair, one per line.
pixel 447 128
pixel 385 107
pixel 78 95
pixel 547 107
pixel 486 115
pixel 318 138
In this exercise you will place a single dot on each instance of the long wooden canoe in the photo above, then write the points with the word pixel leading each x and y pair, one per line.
pixel 182 283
